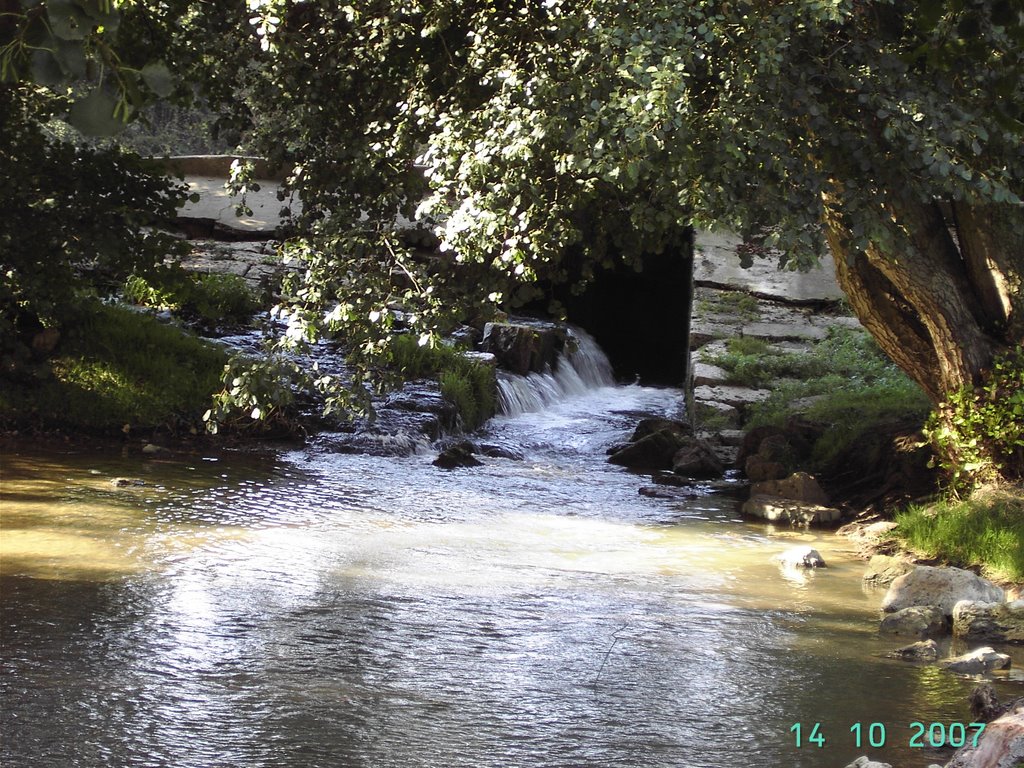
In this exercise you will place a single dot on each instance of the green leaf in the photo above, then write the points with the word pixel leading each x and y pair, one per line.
pixel 94 114
pixel 158 79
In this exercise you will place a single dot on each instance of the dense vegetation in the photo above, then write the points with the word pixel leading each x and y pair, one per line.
pixel 555 138
pixel 116 370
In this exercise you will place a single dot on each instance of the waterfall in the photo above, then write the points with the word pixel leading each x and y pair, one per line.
pixel 583 368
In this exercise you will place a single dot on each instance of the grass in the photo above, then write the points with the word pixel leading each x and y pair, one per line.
pixel 737 303
pixel 987 528
pixel 116 367
pixel 844 382
pixel 211 299
pixel 468 385
pixel 752 362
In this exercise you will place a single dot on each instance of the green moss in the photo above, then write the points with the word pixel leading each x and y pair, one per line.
pixel 116 367
pixel 987 528
pixel 468 385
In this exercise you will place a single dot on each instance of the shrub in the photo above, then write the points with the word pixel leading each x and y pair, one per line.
pixel 468 385
pixel 979 433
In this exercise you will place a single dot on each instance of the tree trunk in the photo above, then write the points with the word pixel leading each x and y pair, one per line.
pixel 939 315
pixel 949 302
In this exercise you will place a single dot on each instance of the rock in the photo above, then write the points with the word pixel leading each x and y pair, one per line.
pixel 774 453
pixel 731 437
pixel 751 444
pixel 124 482
pixel 865 762
pixel 150 448
pixel 801 557
pixel 656 424
pixel 721 413
pixel 986 707
pixel 524 347
pixel 989 622
pixel 785 332
pixel 760 469
pixel 458 455
pixel 944 587
pixel 777 509
pixel 884 569
pixel 695 458
pixel 652 452
pixel 738 397
pixel 924 650
pixel 668 492
pixel 1000 746
pixel 665 477
pixel 917 621
pixel 501 451
pixel 977 662
pixel 705 374
pixel 799 486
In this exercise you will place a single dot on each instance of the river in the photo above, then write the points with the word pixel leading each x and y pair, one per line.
pixel 321 609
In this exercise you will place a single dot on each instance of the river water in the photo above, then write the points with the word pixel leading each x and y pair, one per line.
pixel 317 609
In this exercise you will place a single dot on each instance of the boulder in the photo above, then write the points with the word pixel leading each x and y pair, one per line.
pixel 751 444
pixel 759 469
pixel 696 458
pixel 665 477
pixel 944 587
pixel 977 662
pixel 924 650
pixel 669 492
pixel 651 452
pixel 655 424
pixel 125 482
pixel 989 622
pixel 776 509
pixel 458 455
pixel 738 397
pixel 705 374
pixel 801 557
pixel 916 621
pixel 865 762
pixel 799 486
pixel 524 347
pixel 712 410
pixel 882 570
pixel 1000 746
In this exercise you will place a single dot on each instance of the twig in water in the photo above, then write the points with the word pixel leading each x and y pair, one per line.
pixel 615 639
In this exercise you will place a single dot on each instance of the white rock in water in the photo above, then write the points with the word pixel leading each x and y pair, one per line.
pixel 866 762
pixel 944 587
pixel 801 557
pixel 976 662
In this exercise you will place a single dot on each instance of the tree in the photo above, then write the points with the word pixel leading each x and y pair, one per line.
pixel 543 138
pixel 890 128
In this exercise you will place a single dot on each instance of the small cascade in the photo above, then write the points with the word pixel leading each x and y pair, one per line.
pixel 584 368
